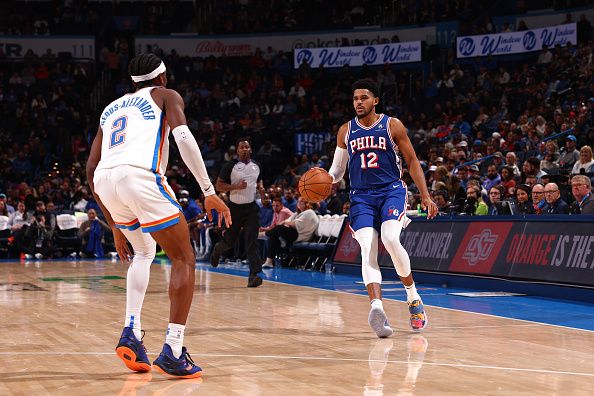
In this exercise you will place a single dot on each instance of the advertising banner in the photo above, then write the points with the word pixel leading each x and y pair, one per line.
pixel 359 56
pixel 205 46
pixel 18 46
pixel 560 252
pixel 515 42
pixel 310 142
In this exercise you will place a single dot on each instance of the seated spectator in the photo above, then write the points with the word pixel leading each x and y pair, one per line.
pixel 299 227
pixel 538 198
pixel 492 178
pixel 266 210
pixel 92 232
pixel 494 198
pixel 9 208
pixel 37 240
pixel 279 216
pixel 3 209
pixel 289 200
pixel 511 161
pixel 581 188
pixel 524 204
pixel 192 214
pixel 18 219
pixel 440 199
pixel 555 205
pixel 346 208
pixel 585 162
pixel 569 156
pixel 508 182
pixel 334 202
pixel 50 218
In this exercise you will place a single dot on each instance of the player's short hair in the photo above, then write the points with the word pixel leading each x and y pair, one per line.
pixel 243 139
pixel 143 64
pixel 368 84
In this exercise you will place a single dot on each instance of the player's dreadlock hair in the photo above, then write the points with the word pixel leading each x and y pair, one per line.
pixel 367 84
pixel 143 64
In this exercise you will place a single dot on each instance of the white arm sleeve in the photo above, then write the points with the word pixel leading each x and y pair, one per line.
pixel 190 153
pixel 339 164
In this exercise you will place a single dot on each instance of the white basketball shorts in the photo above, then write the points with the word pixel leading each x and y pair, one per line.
pixel 136 197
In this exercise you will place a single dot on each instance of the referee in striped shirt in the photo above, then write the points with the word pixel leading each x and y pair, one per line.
pixel 242 178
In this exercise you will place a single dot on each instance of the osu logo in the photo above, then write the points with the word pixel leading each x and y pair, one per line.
pixel 369 55
pixel 529 40
pixel 304 55
pixel 349 246
pixel 480 247
pixel 392 211
pixel 466 46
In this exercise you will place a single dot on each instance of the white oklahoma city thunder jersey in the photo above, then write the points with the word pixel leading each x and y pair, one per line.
pixel 135 132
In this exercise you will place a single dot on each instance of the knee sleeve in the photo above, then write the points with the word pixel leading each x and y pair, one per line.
pixel 139 271
pixel 367 238
pixel 391 238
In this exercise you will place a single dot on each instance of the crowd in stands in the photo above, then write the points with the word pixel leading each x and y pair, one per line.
pixel 505 116
pixel 254 16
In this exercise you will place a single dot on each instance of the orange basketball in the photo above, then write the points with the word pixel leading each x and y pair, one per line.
pixel 315 185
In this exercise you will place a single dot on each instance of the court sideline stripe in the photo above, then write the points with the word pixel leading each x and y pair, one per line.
pixel 320 358
pixel 391 299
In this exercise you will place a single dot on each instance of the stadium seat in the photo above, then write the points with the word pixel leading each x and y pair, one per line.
pixel 66 238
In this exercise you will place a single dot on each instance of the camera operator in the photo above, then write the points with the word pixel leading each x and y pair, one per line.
pixel 474 204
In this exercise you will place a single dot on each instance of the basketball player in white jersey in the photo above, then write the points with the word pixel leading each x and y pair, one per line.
pixel 125 171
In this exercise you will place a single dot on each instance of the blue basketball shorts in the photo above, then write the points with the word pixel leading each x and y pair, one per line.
pixel 370 208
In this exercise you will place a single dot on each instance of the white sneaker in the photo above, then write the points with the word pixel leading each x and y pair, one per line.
pixel 28 256
pixel 113 254
pixel 39 256
pixel 72 255
pixel 267 265
pixel 379 322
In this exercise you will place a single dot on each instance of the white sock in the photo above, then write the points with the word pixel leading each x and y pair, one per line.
pixel 377 303
pixel 411 293
pixel 133 320
pixel 175 338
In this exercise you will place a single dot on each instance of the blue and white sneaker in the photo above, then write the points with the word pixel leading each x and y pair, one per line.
pixel 184 367
pixel 132 351
pixel 418 317
pixel 379 322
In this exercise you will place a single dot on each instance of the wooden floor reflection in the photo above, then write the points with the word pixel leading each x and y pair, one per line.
pixel 60 322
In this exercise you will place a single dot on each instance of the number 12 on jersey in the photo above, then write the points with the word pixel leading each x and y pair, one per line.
pixel 118 135
pixel 369 160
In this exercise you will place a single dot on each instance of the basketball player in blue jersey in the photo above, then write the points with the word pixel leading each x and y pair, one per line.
pixel 370 143
pixel 125 171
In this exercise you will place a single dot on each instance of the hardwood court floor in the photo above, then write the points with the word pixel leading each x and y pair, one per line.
pixel 277 339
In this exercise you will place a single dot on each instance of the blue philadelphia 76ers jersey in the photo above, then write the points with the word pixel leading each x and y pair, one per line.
pixel 373 159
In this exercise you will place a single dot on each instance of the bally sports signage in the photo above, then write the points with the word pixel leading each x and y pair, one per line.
pixel 206 45
pixel 19 46
pixel 554 251
pixel 516 42
pixel 359 56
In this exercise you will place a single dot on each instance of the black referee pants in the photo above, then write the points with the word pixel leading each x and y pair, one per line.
pixel 246 216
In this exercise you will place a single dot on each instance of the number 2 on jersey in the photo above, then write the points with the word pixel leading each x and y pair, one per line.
pixel 118 135
pixel 369 160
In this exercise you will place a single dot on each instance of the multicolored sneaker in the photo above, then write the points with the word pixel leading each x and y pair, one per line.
pixel 418 317
pixel 132 351
pixel 184 367
pixel 379 322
